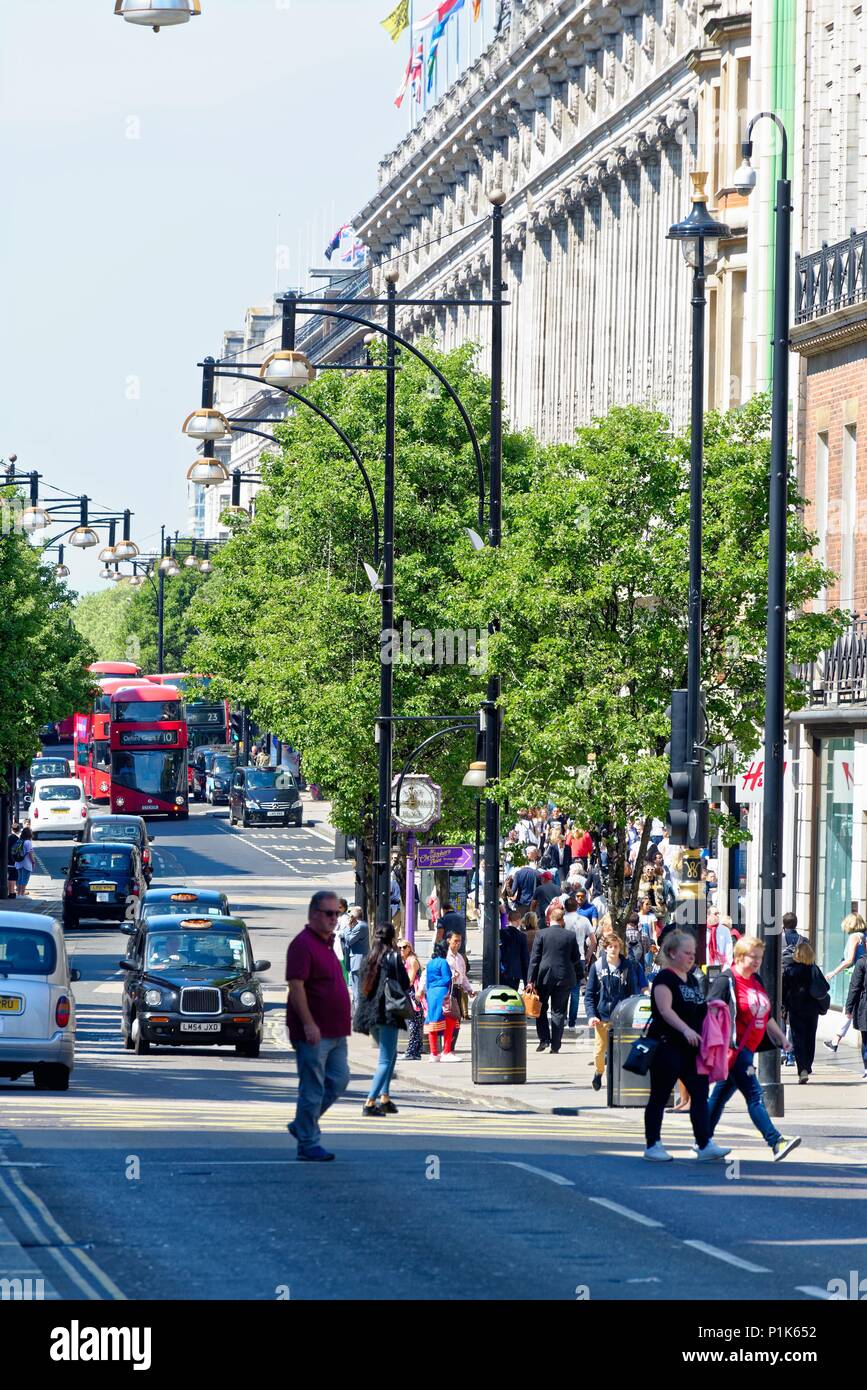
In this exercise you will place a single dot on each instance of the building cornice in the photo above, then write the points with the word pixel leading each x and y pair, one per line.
pixel 828 332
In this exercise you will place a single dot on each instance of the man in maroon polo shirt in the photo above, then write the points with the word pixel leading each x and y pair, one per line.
pixel 319 1020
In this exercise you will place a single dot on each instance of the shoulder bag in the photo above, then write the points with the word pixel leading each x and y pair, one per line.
pixel 398 1005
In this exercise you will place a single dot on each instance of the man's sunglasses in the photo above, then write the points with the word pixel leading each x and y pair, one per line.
pixel 329 911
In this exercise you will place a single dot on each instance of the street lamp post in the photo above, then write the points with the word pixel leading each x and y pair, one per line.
pixel 770 923
pixel 699 236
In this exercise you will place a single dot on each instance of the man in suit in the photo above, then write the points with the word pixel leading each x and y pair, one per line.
pixel 354 937
pixel 514 952
pixel 454 921
pixel 555 969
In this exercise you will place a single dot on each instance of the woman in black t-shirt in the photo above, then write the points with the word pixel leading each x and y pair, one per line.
pixel 678 1010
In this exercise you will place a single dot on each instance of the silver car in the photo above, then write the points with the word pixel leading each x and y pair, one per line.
pixel 37 1007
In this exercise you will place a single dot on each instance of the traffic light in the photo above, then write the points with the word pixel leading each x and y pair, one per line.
pixel 679 781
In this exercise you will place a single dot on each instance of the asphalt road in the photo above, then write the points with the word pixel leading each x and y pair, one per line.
pixel 171 1176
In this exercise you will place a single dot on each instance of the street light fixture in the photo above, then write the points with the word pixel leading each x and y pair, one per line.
pixel 206 426
pixel 109 552
pixel 192 560
pixel 207 472
pixel 157 14
pixel 699 234
pixel 476 776
pixel 61 570
pixel 34 517
pixel 287 370
pixel 84 536
pixel 125 548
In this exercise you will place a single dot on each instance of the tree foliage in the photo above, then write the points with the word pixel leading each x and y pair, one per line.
pixel 141 630
pixel 589 590
pixel 102 619
pixel 43 676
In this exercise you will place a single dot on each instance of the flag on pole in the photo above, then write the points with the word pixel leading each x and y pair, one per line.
pixel 412 75
pixel 352 252
pixel 451 8
pixel 438 15
pixel 397 21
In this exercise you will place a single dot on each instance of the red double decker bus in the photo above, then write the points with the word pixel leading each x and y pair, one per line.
pixel 90 740
pixel 149 751
pixel 109 669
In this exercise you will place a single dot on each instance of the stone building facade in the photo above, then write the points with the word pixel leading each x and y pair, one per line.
pixel 590 116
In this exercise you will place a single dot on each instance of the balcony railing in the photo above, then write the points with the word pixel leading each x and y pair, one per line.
pixel 839 675
pixel 832 278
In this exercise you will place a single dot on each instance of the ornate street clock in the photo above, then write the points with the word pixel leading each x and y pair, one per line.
pixel 421 803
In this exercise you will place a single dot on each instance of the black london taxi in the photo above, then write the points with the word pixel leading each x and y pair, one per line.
pixel 269 795
pixel 132 828
pixel 47 766
pixel 191 982
pixel 174 901
pixel 105 882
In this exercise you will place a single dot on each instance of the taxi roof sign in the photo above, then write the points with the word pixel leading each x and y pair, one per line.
pixel 196 922
pixel 184 897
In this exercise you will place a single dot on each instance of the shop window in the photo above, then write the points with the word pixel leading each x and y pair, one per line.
pixel 834 887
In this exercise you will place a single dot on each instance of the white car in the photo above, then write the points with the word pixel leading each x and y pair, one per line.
pixel 37 1007
pixel 59 807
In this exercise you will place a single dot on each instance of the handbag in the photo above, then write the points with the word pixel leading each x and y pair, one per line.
pixel 397 1000
pixel 532 1002
pixel 641 1055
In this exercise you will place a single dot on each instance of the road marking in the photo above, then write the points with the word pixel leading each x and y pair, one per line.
pixel 82 1256
pixel 540 1173
pixel 65 1264
pixel 625 1211
pixel 255 845
pixel 724 1255
pixel 813 1291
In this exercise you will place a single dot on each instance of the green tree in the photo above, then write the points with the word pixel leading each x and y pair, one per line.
pixel 43 676
pixel 289 623
pixel 102 620
pixel 591 589
pixel 140 630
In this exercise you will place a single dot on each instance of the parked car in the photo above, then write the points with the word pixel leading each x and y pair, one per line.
pixel 105 882
pixel 132 828
pixel 191 981
pixel 168 901
pixel 218 779
pixel 264 794
pixel 59 807
pixel 37 1006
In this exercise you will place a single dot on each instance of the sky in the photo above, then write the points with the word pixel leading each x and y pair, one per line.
pixel 149 181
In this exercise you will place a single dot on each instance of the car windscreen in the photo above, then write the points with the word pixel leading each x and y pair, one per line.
pixel 204 950
pixel 58 793
pixel 223 766
pixel 26 953
pixel 169 909
pixel 258 780
pixel 146 711
pixel 88 860
pixel 129 831
pixel 54 767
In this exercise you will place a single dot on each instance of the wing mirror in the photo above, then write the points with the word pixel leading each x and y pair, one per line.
pixel 261 965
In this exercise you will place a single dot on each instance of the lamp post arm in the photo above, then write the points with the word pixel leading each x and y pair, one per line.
pixel 771 116
pixel 441 378
pixel 341 434
pixel 440 733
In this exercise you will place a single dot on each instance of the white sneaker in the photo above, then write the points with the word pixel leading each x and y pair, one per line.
pixel 433 1056
pixel 657 1154
pixel 450 1057
pixel 710 1152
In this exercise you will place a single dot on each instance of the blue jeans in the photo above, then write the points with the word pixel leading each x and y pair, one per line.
pixel 23 878
pixel 574 1002
pixel 386 1035
pixel 323 1076
pixel 742 1077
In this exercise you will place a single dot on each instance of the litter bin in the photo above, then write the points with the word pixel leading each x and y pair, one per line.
pixel 627 1024
pixel 499 1035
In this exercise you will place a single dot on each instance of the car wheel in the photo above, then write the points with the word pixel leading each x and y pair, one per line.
pixel 140 1046
pixel 298 822
pixel 51 1076
pixel 247 1049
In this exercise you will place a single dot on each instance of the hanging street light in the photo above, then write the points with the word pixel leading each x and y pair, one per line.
pixel 207 426
pixel 157 14
pixel 207 472
pixel 34 517
pixel 125 548
pixel 61 570
pixel 84 536
pixel 287 370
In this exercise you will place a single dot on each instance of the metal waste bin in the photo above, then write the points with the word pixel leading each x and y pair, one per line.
pixel 627 1024
pixel 499 1035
